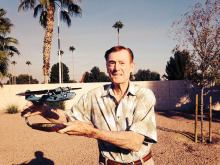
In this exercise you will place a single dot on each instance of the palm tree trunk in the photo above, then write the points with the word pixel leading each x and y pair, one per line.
pixel 73 66
pixel 118 37
pixel 47 41
pixel 29 74
pixel 14 76
pixel 11 78
pixel 62 67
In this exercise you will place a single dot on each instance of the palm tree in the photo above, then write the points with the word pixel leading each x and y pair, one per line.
pixel 6 43
pixel 72 49
pixel 29 63
pixel 47 10
pixel 13 72
pixel 5 28
pixel 118 25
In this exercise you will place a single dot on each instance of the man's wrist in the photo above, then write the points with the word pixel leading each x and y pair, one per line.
pixel 95 133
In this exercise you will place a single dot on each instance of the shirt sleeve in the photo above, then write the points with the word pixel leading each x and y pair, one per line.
pixel 80 111
pixel 144 116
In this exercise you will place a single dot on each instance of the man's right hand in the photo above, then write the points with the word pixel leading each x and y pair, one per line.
pixel 33 108
pixel 39 108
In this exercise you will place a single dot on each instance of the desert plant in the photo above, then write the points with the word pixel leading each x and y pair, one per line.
pixel 12 108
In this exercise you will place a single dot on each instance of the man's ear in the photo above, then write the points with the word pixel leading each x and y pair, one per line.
pixel 106 65
pixel 132 66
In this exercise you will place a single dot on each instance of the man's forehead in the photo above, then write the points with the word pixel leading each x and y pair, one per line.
pixel 122 54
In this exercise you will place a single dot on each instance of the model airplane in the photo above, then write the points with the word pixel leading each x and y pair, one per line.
pixel 52 95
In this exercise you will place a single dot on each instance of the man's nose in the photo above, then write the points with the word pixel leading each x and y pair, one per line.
pixel 117 66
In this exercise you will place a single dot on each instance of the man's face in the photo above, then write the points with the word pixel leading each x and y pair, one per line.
pixel 119 66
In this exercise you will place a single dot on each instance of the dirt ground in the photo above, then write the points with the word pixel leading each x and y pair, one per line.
pixel 21 145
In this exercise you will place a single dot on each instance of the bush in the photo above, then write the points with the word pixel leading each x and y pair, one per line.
pixel 58 105
pixel 13 108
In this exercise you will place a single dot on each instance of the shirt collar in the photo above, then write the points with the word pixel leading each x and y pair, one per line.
pixel 109 91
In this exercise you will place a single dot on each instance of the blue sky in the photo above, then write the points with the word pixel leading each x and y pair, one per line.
pixel 146 24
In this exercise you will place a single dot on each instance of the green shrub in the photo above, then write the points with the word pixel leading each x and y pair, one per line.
pixel 13 108
pixel 58 105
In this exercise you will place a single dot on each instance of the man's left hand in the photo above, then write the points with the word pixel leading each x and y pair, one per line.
pixel 78 128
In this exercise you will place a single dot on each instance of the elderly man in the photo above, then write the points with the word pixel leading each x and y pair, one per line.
pixel 120 115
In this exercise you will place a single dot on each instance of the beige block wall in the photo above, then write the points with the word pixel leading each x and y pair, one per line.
pixel 170 95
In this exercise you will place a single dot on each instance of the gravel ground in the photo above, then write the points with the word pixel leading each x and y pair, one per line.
pixel 19 144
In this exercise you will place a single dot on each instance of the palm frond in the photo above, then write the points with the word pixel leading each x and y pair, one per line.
pixel 7 48
pixel 26 4
pixel 75 9
pixel 5 23
pixel 2 12
pixel 13 49
pixel 65 3
pixel 71 48
pixel 37 9
pixel 7 40
pixel 28 63
pixel 43 19
pixel 118 25
pixel 64 16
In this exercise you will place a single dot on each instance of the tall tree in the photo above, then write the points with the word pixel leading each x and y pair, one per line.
pixel 46 8
pixel 177 66
pixel 54 74
pixel 29 63
pixel 24 79
pixel 71 48
pixel 6 43
pixel 199 29
pixel 146 75
pixel 96 75
pixel 118 25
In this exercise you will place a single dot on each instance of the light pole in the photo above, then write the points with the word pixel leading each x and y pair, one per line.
pixel 58 14
pixel 58 28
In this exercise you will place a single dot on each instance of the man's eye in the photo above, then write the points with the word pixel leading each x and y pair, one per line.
pixel 111 63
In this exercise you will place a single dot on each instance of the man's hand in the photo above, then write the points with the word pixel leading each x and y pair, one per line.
pixel 38 108
pixel 32 108
pixel 79 128
pixel 124 139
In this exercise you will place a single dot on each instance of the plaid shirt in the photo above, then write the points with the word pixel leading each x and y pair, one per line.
pixel 135 112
